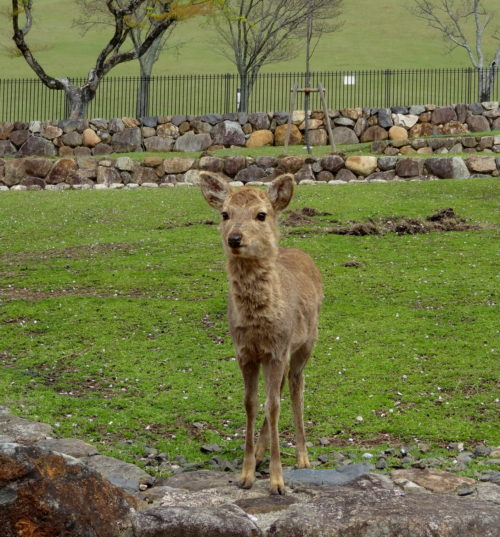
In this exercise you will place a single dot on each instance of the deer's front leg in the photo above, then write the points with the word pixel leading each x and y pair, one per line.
pixel 274 371
pixel 250 371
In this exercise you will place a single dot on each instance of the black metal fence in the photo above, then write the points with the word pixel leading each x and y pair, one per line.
pixel 29 99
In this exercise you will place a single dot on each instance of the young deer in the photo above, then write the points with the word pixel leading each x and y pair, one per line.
pixel 274 299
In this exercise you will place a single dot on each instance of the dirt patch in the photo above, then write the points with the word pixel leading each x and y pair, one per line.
pixel 441 221
pixel 302 217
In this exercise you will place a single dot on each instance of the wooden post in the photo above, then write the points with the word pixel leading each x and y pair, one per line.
pixel 293 98
pixel 321 90
pixel 327 117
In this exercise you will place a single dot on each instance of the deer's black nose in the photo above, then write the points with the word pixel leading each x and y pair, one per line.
pixel 234 240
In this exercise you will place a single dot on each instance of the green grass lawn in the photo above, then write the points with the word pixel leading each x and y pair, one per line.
pixel 375 35
pixel 113 327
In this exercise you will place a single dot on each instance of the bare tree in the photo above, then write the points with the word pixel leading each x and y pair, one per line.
pixel 123 14
pixel 259 32
pixel 464 23
pixel 96 13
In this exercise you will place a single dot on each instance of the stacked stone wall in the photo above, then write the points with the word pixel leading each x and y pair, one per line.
pixel 107 172
pixel 97 137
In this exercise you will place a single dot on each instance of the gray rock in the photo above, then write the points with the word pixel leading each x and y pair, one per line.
pixel 191 142
pixel 416 110
pixel 252 173
pixel 409 167
pixel 228 133
pixel 7 149
pixel 308 477
pixel 345 175
pixel 332 163
pixel 36 145
pixel 387 163
pixel 344 122
pixel 477 123
pixel 121 474
pixel 259 121
pixel 178 119
pixel 21 430
pixel 213 119
pixel 403 110
pixel 158 144
pixel 222 521
pixel 128 140
pixel 372 511
pixel 443 114
pixel 344 136
pixel 68 446
pixel 385 118
pixel 447 167
pixel 116 125
pixel 150 121
pixel 476 108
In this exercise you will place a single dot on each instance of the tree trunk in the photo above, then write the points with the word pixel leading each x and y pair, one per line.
pixel 247 82
pixel 146 63
pixel 77 100
pixel 487 78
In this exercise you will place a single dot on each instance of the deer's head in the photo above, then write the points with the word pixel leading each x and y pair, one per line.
pixel 248 215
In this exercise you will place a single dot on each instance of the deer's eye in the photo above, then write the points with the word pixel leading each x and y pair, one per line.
pixel 224 215
pixel 261 216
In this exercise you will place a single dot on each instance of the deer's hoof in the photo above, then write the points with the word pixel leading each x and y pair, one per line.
pixel 246 483
pixel 277 489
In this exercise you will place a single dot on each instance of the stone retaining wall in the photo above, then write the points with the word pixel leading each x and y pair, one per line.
pixel 197 133
pixel 86 172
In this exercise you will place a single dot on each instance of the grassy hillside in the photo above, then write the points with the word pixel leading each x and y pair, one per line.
pixel 376 35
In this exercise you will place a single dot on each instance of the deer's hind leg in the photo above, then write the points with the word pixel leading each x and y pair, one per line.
pixel 296 384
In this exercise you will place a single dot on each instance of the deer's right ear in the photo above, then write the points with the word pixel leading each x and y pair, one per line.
pixel 214 189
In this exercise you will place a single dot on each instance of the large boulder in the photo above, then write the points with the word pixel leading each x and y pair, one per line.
pixel 443 115
pixel 447 168
pixel 233 164
pixel 290 164
pixel 90 138
pixel 259 121
pixel 63 171
pixel 361 165
pixel 481 164
pixel 477 123
pixel 260 138
pixel 127 140
pixel 36 145
pixel 37 166
pixel 158 144
pixel 191 142
pixel 7 149
pixel 332 163
pixel 221 521
pixel 385 118
pixel 375 132
pixel 13 175
pixel 280 135
pixel 409 167
pixel 177 165
pixel 344 136
pixel 367 510
pixel 45 493
pixel 228 133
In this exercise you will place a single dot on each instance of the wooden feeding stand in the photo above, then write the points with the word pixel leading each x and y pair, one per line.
pixel 293 100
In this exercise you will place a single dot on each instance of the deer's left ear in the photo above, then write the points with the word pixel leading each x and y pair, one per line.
pixel 281 191
pixel 214 189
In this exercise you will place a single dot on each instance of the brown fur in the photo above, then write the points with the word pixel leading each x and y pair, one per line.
pixel 274 299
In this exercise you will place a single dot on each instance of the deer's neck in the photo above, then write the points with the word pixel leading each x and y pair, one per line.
pixel 255 286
